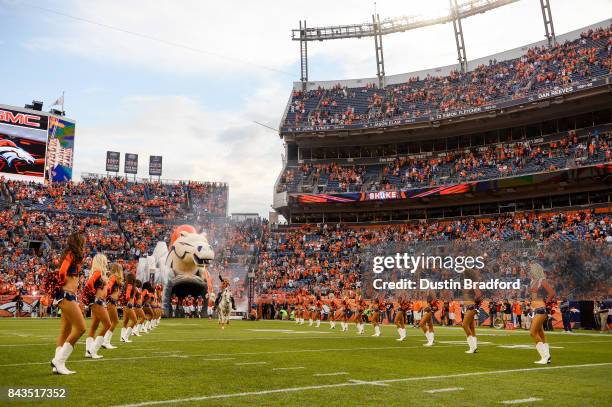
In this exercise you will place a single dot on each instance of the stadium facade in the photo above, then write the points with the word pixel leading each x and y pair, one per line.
pixel 385 137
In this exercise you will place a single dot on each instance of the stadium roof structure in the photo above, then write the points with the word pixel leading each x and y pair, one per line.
pixel 378 28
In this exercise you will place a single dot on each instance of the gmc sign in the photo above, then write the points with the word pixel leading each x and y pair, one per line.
pixel 23 119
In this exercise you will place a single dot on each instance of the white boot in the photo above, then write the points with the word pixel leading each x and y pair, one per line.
pixel 96 346
pixel 310 322
pixel 128 333
pixel 57 354
pixel 547 353
pixel 332 325
pixel 59 362
pixel 470 342
pixel 429 339
pixel 401 334
pixel 137 329
pixel 376 331
pixel 88 346
pixel 123 331
pixel 108 336
pixel 542 352
pixel 318 323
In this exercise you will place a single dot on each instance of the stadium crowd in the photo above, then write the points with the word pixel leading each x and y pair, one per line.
pixel 540 68
pixel 325 259
pixel 487 162
pixel 124 220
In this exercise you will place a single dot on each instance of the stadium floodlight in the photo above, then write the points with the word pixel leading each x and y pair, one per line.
pixel 377 28
pixel 549 28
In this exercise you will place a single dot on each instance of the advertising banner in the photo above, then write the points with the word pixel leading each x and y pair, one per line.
pixel 131 163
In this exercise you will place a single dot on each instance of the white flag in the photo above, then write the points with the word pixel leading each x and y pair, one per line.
pixel 59 101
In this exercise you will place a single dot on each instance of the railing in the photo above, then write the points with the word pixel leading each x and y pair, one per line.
pixel 91 175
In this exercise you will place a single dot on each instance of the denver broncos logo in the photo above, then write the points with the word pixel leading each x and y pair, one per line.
pixel 10 152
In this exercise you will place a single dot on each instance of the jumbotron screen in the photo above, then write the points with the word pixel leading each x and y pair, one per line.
pixel 36 145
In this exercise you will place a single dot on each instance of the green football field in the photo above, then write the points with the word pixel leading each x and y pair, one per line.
pixel 192 362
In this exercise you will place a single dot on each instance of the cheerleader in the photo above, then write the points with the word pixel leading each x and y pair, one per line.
pixel 153 303
pixel 426 323
pixel 147 299
pixel 129 315
pixel 157 310
pixel 112 289
pixel 318 310
pixel 96 298
pixel 542 295
pixel 332 314
pixel 344 315
pixel 303 307
pixel 311 310
pixel 298 312
pixel 472 301
pixel 376 308
pixel 63 287
pixel 469 323
pixel 359 309
pixel 400 319
pixel 138 307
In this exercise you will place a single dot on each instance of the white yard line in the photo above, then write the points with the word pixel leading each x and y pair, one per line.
pixel 274 352
pixel 443 390
pixel 368 383
pixel 440 333
pixel 331 374
pixel 156 341
pixel 355 383
pixel 205 355
pixel 289 368
pixel 521 401
pixel 218 358
pixel 112 360
pixel 250 363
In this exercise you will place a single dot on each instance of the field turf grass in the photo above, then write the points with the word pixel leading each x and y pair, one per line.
pixel 192 362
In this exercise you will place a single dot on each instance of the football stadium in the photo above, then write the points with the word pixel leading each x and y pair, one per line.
pixel 439 236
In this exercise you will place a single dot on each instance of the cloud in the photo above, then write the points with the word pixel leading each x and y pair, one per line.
pixel 196 144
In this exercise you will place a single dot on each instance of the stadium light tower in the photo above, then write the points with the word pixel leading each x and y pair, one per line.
pixel 458 36
pixel 378 28
pixel 549 28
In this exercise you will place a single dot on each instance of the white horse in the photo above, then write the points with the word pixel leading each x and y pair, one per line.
pixel 224 309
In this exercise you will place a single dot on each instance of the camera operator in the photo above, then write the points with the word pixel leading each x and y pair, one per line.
pixel 566 315
pixel 493 312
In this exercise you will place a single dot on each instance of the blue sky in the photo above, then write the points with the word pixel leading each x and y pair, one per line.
pixel 133 94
